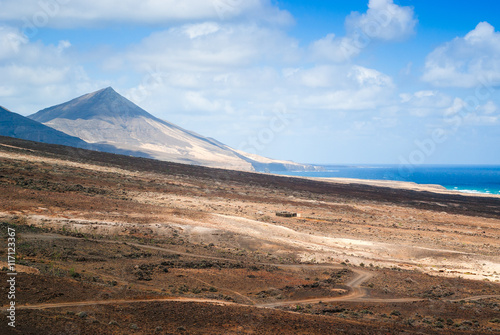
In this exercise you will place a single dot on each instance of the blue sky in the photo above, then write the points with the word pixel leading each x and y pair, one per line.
pixel 359 81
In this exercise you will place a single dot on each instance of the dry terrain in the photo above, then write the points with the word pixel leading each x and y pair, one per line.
pixel 109 244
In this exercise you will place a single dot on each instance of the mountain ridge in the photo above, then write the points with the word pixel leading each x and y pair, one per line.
pixel 115 103
pixel 104 117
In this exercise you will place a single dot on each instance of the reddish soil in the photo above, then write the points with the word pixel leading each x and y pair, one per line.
pixel 112 244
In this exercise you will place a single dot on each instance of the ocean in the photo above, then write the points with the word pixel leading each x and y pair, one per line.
pixel 462 178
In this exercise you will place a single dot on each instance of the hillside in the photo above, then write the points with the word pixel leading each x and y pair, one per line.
pixel 112 244
pixel 18 126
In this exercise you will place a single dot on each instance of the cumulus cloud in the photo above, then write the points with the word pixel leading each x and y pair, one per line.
pixel 207 70
pixel 212 47
pixel 238 70
pixel 341 88
pixel 11 40
pixel 334 49
pixel 383 20
pixel 47 74
pixel 424 103
pixel 78 13
pixel 469 61
pixel 463 113
pixel 489 108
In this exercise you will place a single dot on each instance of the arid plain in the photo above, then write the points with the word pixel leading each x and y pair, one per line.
pixel 110 244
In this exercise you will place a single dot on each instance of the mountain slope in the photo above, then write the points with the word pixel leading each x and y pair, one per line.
pixel 106 118
pixel 18 126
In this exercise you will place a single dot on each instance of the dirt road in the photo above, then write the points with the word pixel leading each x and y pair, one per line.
pixel 356 292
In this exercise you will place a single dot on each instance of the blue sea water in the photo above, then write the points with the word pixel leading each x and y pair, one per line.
pixel 467 179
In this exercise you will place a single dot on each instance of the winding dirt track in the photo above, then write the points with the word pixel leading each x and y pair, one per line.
pixel 120 301
pixel 357 293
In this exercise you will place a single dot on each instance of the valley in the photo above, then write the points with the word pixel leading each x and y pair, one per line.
pixel 121 245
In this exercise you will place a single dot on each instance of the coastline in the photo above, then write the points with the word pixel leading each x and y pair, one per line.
pixel 482 180
pixel 400 185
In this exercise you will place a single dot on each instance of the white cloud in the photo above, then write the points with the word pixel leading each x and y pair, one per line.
pixel 457 106
pixel 202 73
pixel 480 115
pixel 237 70
pixel 383 20
pixel 212 47
pixel 36 75
pixel 369 77
pixel 320 77
pixel 489 108
pixel 469 61
pixel 195 100
pixel 78 13
pixel 11 40
pixel 197 30
pixel 342 88
pixel 334 49
pixel 366 98
pixel 425 103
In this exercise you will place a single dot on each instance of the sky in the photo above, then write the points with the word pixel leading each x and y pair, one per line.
pixel 326 82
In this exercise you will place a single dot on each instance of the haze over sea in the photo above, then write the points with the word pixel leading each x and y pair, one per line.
pixel 462 178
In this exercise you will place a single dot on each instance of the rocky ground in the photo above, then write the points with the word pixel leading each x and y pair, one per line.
pixel 118 245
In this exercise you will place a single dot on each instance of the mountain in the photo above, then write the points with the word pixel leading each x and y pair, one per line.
pixel 18 126
pixel 107 118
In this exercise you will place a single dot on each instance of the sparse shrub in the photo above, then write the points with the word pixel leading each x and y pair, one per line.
pixel 409 322
pixel 396 313
pixel 73 273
